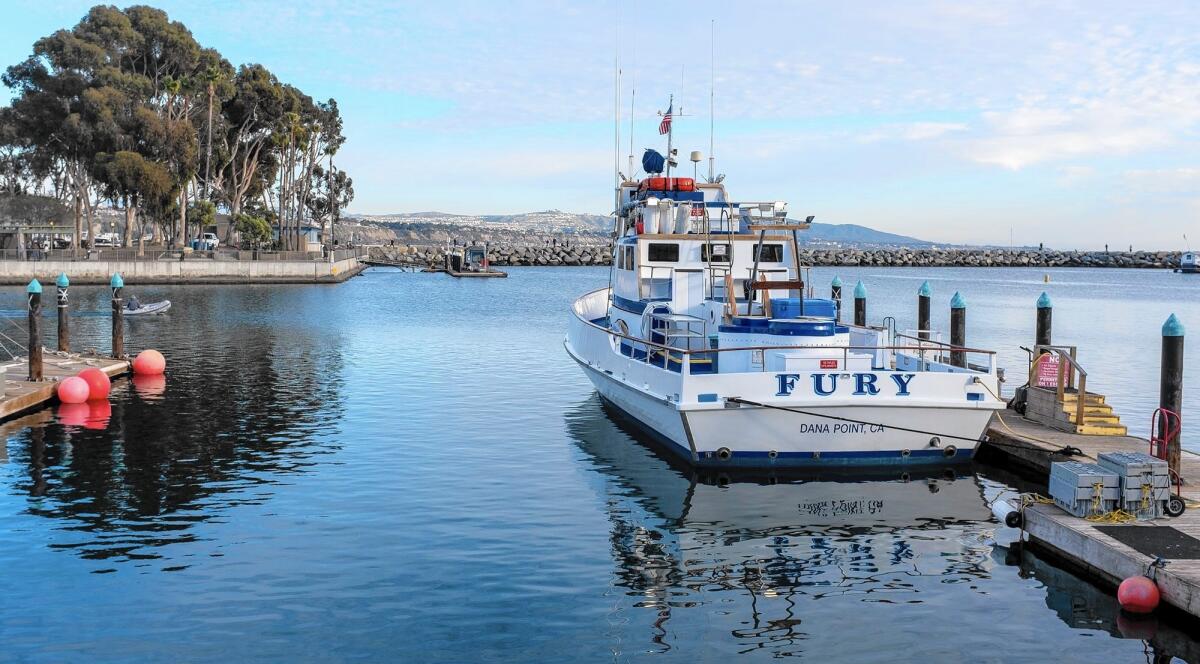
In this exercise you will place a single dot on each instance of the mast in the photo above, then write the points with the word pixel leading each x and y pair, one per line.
pixel 670 132
pixel 712 85
pixel 632 98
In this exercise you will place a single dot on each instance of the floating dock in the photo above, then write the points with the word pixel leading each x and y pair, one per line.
pixel 21 395
pixel 1111 552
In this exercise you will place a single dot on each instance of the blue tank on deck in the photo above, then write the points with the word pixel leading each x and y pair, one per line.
pixel 789 307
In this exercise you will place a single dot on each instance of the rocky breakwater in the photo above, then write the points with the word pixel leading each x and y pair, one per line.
pixel 592 253
pixel 900 256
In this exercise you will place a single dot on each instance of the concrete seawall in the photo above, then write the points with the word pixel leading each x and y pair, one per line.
pixel 592 254
pixel 195 271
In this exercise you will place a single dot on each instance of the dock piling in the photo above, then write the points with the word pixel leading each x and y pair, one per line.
pixel 1170 385
pixel 64 323
pixel 836 295
pixel 860 304
pixel 34 293
pixel 118 316
pixel 1045 314
pixel 923 296
pixel 958 330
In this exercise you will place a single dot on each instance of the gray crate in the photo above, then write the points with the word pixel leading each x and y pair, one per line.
pixel 1137 470
pixel 1084 489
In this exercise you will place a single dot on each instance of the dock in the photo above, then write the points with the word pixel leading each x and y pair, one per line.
pixel 1110 552
pixel 21 395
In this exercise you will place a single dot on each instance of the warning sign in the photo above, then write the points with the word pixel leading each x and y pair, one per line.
pixel 1047 371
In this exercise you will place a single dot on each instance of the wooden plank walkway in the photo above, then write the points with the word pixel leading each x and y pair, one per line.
pixel 21 395
pixel 1036 446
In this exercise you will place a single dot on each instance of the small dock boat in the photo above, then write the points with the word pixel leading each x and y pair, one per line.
pixel 470 261
pixel 708 336
pixel 150 309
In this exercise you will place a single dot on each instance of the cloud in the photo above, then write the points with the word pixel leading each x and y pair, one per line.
pixel 1168 180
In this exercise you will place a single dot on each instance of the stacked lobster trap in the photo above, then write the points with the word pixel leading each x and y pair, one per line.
pixel 1084 489
pixel 1145 482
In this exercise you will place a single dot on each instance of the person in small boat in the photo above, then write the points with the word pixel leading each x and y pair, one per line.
pixel 133 303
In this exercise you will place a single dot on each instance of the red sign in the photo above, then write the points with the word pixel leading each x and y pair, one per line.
pixel 1047 371
pixel 829 364
pixel 697 211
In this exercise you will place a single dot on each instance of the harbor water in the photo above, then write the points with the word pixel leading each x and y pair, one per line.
pixel 408 467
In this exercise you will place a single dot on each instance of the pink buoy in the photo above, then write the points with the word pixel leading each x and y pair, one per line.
pixel 73 390
pixel 1138 594
pixel 149 363
pixel 98 383
pixel 73 414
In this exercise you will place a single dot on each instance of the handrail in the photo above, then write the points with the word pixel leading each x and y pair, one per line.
pixel 706 351
pixel 1064 353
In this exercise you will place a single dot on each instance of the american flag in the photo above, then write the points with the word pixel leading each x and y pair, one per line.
pixel 665 125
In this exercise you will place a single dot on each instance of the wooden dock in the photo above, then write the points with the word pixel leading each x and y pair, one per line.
pixel 1089 544
pixel 21 395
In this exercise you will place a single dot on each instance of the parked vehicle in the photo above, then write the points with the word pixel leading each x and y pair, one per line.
pixel 206 242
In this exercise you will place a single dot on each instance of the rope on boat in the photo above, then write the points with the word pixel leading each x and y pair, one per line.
pixel 849 419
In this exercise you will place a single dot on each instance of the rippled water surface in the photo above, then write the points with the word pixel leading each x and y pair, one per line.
pixel 408 467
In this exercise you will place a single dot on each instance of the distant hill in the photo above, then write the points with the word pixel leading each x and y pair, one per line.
pixel 557 222
pixel 855 235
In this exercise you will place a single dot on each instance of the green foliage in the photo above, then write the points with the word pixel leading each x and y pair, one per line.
pixel 203 213
pixel 254 230
pixel 123 102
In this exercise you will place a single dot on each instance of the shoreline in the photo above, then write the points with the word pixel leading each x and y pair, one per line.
pixel 174 272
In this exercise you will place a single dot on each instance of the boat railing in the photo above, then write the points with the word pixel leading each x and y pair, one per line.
pixel 653 350
pixel 1064 376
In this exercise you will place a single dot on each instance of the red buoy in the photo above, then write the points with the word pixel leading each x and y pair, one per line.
pixel 149 363
pixel 73 390
pixel 98 383
pixel 1138 594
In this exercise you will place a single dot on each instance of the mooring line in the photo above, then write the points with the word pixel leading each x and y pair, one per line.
pixel 850 419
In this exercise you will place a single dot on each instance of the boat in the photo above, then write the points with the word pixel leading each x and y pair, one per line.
pixel 709 337
pixel 470 261
pixel 1188 263
pixel 150 309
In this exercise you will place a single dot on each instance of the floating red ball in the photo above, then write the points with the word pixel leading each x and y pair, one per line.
pixel 1138 594
pixel 149 363
pixel 73 390
pixel 98 383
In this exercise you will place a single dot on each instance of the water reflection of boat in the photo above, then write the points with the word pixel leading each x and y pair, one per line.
pixel 777 538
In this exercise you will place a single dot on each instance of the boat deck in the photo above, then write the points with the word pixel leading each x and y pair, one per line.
pixel 1093 545
pixel 21 395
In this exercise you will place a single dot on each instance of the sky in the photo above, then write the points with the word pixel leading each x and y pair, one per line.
pixel 1073 124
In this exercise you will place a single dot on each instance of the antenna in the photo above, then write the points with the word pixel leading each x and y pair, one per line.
pixel 632 98
pixel 712 85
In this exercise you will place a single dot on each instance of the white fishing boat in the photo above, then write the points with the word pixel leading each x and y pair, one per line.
pixel 1188 263
pixel 709 337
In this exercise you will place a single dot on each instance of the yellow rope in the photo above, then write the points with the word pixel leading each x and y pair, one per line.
pixel 1115 516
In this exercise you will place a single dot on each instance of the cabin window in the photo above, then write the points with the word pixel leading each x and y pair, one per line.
pixel 625 258
pixel 771 253
pixel 662 252
pixel 721 253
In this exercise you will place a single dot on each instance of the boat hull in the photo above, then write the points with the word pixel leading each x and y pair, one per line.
pixel 755 437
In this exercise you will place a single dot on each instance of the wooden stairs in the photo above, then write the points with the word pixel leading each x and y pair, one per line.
pixel 1044 406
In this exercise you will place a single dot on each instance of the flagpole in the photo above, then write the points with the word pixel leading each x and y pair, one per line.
pixel 670 132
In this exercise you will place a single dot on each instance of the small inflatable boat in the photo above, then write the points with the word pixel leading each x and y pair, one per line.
pixel 151 308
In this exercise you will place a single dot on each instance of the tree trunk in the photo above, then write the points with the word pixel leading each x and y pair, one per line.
pixel 182 231
pixel 78 220
pixel 130 213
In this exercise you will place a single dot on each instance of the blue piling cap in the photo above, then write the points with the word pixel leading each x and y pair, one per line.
pixel 925 291
pixel 860 291
pixel 1044 301
pixel 117 281
pixel 1172 328
pixel 837 282
pixel 63 281
pixel 35 286
pixel 957 302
